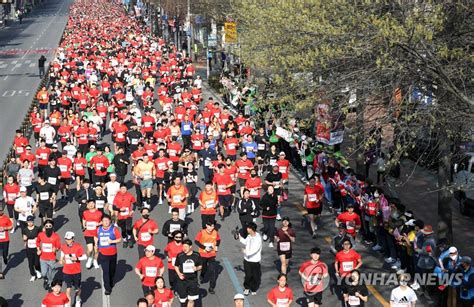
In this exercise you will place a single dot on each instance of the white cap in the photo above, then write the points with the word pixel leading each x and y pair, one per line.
pixel 23 189
pixel 453 250
pixel 113 174
pixel 69 235
pixel 239 296
pixel 150 248
pixel 282 154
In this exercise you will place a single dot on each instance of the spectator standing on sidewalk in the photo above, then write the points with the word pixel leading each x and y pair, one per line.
pixel 41 62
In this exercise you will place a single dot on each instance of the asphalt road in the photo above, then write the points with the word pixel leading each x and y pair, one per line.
pixel 21 45
pixel 44 33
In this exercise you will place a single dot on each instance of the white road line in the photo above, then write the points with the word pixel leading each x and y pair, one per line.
pixel 2 66
pixel 27 61
pixel 5 78
pixel 14 62
pixel 32 65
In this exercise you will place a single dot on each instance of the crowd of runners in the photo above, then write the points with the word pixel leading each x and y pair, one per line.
pixel 123 109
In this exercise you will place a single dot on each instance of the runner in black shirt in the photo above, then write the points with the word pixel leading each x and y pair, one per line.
pixel 45 196
pixel 29 233
pixel 187 265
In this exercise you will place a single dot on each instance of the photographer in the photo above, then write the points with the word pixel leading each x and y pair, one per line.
pixel 247 211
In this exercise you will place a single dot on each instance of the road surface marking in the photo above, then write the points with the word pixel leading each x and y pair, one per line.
pixel 32 65
pixel 233 278
pixel 378 296
pixel 371 289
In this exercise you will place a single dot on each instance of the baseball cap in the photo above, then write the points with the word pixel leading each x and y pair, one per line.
pixel 285 218
pixel 113 174
pixel 150 248
pixel 466 260
pixel 453 250
pixel 282 154
pixel 23 189
pixel 239 296
pixel 55 145
pixel 69 235
pixel 30 218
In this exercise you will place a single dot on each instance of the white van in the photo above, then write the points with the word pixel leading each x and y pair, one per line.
pixel 464 183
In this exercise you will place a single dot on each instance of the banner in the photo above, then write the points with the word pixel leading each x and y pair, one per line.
pixel 284 134
pixel 230 30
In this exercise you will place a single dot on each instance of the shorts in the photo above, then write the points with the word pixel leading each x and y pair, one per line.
pixel 100 179
pixel 43 106
pixel 66 181
pixel 287 254
pixel 89 240
pixel 45 211
pixel 146 184
pixel 187 290
pixel 315 297
pixel 242 182
pixel 160 180
pixel 233 189
pixel 225 200
pixel 72 280
pixel 315 211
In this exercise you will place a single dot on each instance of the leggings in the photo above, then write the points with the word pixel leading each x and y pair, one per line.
pixel 33 261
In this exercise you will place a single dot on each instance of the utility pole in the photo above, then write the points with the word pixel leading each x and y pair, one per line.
pixel 190 30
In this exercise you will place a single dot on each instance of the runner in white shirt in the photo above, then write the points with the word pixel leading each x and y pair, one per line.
pixel 403 296
pixel 25 206
pixel 48 133
pixel 71 150
pixel 111 188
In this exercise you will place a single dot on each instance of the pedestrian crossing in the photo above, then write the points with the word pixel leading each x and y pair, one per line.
pixel 12 65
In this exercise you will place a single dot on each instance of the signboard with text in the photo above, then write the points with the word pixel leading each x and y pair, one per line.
pixel 230 30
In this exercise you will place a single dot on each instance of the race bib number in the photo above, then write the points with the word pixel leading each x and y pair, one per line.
pixel 261 146
pixel 3 235
pixel 52 180
pixel 253 192
pixel 347 266
pixel 172 153
pixel 134 141
pixel 146 175
pixel 188 267
pixel 231 146
pixel 174 227
pixel 161 166
pixel 43 156
pixel 186 127
pixel 151 272
pixel 222 188
pixel 177 198
pixel 99 204
pixel 249 149
pixel 31 243
pixel 209 204
pixel 207 162
pixel 354 300
pixel 242 170
pixel 145 236
pixel 91 225
pixel 283 169
pixel 104 241
pixel 47 247
pixel 285 246
pixel 312 197
pixel 147 124
pixel 44 195
pixel 197 143
pixel 125 212
pixel 120 135
pixel 283 302
pixel 67 258
pixel 99 166
pixel 79 167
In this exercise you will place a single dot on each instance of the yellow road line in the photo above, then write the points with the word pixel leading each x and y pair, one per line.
pixel 371 288
pixel 378 296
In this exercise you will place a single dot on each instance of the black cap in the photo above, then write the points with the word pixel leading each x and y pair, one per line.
pixel 285 218
pixel 316 250
pixel 30 218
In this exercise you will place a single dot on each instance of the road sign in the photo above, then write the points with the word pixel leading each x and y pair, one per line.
pixel 212 40
pixel 230 29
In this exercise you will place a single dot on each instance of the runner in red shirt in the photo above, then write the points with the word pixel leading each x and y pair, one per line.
pixel 313 195
pixel 19 143
pixel 91 220
pixel 144 230
pixel 5 226
pixel 11 191
pixel 223 184
pixel 55 298
pixel 172 250
pixel 100 163
pixel 123 210
pixel 149 268
pixel 72 253
pixel 315 277
pixel 161 165
pixel 48 244
pixel 231 144
pixel 65 166
pixel 347 259
pixel 244 166
pixel 351 219
pixel 80 165
pixel 163 296
pixel 281 295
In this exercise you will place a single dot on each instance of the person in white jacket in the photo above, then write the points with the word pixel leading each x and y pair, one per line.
pixel 252 257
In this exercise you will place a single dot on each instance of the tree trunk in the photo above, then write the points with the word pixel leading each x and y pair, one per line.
pixel 445 214
pixel 359 130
